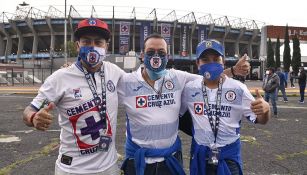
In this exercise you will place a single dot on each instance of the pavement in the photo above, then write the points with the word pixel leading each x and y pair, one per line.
pixel 277 148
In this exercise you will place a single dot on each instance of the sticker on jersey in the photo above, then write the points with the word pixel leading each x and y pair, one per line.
pixel 199 108
pixel 169 85
pixel 92 57
pixel 230 95
pixel 110 86
pixel 155 62
pixel 77 93
pixel 141 102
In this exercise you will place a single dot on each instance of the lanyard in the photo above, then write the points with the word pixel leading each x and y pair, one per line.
pixel 100 104
pixel 209 113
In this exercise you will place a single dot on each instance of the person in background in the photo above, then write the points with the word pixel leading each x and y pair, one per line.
pixel 282 85
pixel 270 85
pixel 302 83
pixel 292 76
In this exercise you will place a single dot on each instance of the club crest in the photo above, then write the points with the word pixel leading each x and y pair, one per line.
pixel 155 62
pixel 169 85
pixel 110 86
pixel 230 95
pixel 92 57
pixel 141 102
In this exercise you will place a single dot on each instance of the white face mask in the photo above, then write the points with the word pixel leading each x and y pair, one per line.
pixel 267 72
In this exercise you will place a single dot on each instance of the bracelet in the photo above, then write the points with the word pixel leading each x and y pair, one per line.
pixel 232 71
pixel 32 117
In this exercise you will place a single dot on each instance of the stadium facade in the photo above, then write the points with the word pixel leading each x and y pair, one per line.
pixel 31 33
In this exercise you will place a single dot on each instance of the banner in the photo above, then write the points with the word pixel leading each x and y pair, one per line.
pixel 144 32
pixel 166 33
pixel 184 40
pixel 124 37
pixel 202 33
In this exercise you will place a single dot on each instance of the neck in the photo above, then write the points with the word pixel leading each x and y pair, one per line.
pixel 91 69
pixel 146 78
pixel 212 84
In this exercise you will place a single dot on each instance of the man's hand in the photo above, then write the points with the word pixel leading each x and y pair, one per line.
pixel 261 108
pixel 42 118
pixel 242 67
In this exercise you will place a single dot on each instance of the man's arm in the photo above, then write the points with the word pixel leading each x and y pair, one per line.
pixel 241 68
pixel 41 119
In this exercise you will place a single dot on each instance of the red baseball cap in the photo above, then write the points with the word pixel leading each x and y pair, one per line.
pixel 92 25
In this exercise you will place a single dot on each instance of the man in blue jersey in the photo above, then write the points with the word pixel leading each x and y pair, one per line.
pixel 217 105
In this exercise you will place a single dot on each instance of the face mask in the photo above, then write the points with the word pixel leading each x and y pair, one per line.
pixel 92 56
pixel 211 71
pixel 155 66
pixel 267 72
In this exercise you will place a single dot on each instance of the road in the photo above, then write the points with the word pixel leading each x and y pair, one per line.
pixel 280 147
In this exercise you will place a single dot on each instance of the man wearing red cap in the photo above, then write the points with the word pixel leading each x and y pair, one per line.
pixel 85 96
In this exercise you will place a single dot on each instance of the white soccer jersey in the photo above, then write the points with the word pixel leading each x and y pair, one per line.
pixel 235 104
pixel 79 118
pixel 153 119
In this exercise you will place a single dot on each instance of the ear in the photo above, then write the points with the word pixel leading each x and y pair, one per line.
pixel 197 63
pixel 107 46
pixel 77 44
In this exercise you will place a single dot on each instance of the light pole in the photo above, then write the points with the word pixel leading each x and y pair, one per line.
pixel 65 35
pixel 23 4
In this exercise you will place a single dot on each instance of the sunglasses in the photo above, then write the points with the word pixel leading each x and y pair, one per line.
pixel 151 53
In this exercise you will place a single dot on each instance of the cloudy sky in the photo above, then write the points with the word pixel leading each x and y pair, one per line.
pixel 271 12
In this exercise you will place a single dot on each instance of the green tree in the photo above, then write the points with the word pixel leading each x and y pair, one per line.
pixel 270 55
pixel 296 55
pixel 277 53
pixel 71 49
pixel 286 53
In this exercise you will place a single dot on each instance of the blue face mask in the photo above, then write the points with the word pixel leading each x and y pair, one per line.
pixel 211 71
pixel 91 56
pixel 155 66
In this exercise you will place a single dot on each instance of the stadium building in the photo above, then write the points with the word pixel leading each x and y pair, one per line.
pixel 31 37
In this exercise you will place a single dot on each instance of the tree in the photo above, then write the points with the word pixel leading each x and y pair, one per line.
pixel 71 49
pixel 286 54
pixel 277 53
pixel 270 55
pixel 296 55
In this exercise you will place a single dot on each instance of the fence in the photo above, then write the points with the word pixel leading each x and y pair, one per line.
pixel 24 76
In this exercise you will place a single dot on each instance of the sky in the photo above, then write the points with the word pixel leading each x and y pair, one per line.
pixel 271 12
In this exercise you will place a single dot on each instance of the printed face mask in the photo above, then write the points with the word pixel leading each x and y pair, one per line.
pixel 155 66
pixel 92 55
pixel 211 71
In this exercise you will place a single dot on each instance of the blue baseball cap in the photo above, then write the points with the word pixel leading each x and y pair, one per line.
pixel 209 44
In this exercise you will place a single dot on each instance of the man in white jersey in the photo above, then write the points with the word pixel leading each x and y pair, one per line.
pixel 217 105
pixel 85 96
pixel 152 97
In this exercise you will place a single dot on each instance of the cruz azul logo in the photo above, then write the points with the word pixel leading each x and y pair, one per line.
pixel 141 102
pixel 199 108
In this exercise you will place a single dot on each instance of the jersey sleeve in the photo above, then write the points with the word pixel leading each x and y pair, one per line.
pixel 187 77
pixel 121 88
pixel 50 91
pixel 184 104
pixel 246 101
